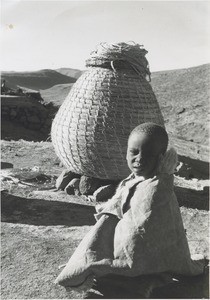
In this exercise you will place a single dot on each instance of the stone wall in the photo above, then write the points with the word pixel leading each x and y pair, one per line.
pixel 25 111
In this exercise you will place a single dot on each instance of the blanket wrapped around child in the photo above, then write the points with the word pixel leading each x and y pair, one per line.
pixel 147 238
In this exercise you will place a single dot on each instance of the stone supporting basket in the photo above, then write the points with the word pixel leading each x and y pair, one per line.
pixel 91 128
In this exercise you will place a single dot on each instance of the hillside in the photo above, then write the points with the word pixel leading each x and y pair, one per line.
pixel 75 73
pixel 183 96
pixel 37 80
pixel 56 94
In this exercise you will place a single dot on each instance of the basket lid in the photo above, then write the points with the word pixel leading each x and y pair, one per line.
pixel 120 56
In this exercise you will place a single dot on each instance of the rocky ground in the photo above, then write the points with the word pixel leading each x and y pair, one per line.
pixel 41 227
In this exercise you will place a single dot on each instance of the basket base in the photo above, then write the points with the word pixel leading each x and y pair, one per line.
pixel 75 184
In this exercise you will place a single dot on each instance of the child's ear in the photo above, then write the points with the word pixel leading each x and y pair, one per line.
pixel 127 155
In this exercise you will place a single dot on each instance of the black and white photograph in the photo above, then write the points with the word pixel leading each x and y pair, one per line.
pixel 105 149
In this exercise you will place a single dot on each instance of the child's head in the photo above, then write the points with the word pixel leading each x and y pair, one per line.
pixel 146 144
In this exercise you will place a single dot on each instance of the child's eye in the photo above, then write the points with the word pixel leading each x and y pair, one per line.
pixel 134 151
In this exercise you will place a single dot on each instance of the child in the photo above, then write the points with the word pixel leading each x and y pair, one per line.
pixel 139 231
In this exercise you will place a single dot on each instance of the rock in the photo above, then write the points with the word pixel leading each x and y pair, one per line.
pixel 33 119
pixel 25 124
pixel 13 113
pixel 180 110
pixel 23 119
pixel 88 185
pixel 48 122
pixel 34 126
pixel 73 187
pixel 65 177
pixel 69 189
pixel 104 192
pixel 5 108
pixel 5 111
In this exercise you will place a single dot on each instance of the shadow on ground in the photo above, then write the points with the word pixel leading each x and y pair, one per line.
pixel 46 213
pixel 186 288
pixel 196 287
pixel 6 165
pixel 191 198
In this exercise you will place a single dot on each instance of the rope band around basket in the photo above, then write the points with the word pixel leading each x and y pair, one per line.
pixel 120 56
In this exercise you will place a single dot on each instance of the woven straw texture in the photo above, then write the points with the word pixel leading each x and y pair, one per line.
pixel 91 128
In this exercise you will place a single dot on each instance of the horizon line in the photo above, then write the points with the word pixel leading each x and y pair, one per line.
pixel 82 70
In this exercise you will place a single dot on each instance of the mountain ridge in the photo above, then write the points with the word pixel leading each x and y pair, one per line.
pixel 75 73
pixel 36 80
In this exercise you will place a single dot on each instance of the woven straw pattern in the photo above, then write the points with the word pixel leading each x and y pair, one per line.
pixel 91 128
pixel 127 56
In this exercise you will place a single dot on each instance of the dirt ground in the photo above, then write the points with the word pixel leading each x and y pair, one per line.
pixel 41 227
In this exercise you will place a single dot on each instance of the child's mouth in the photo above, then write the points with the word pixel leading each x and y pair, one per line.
pixel 138 166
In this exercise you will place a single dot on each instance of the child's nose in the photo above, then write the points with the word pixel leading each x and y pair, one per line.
pixel 138 158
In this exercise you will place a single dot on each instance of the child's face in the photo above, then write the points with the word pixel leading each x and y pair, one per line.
pixel 143 154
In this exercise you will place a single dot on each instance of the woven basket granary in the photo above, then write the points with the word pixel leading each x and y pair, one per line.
pixel 91 128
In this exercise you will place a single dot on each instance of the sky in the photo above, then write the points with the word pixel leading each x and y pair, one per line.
pixel 53 34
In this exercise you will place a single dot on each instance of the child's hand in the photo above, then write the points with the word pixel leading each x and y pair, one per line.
pixel 168 162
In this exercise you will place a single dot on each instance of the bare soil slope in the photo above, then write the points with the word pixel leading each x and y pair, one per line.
pixel 184 97
pixel 56 94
